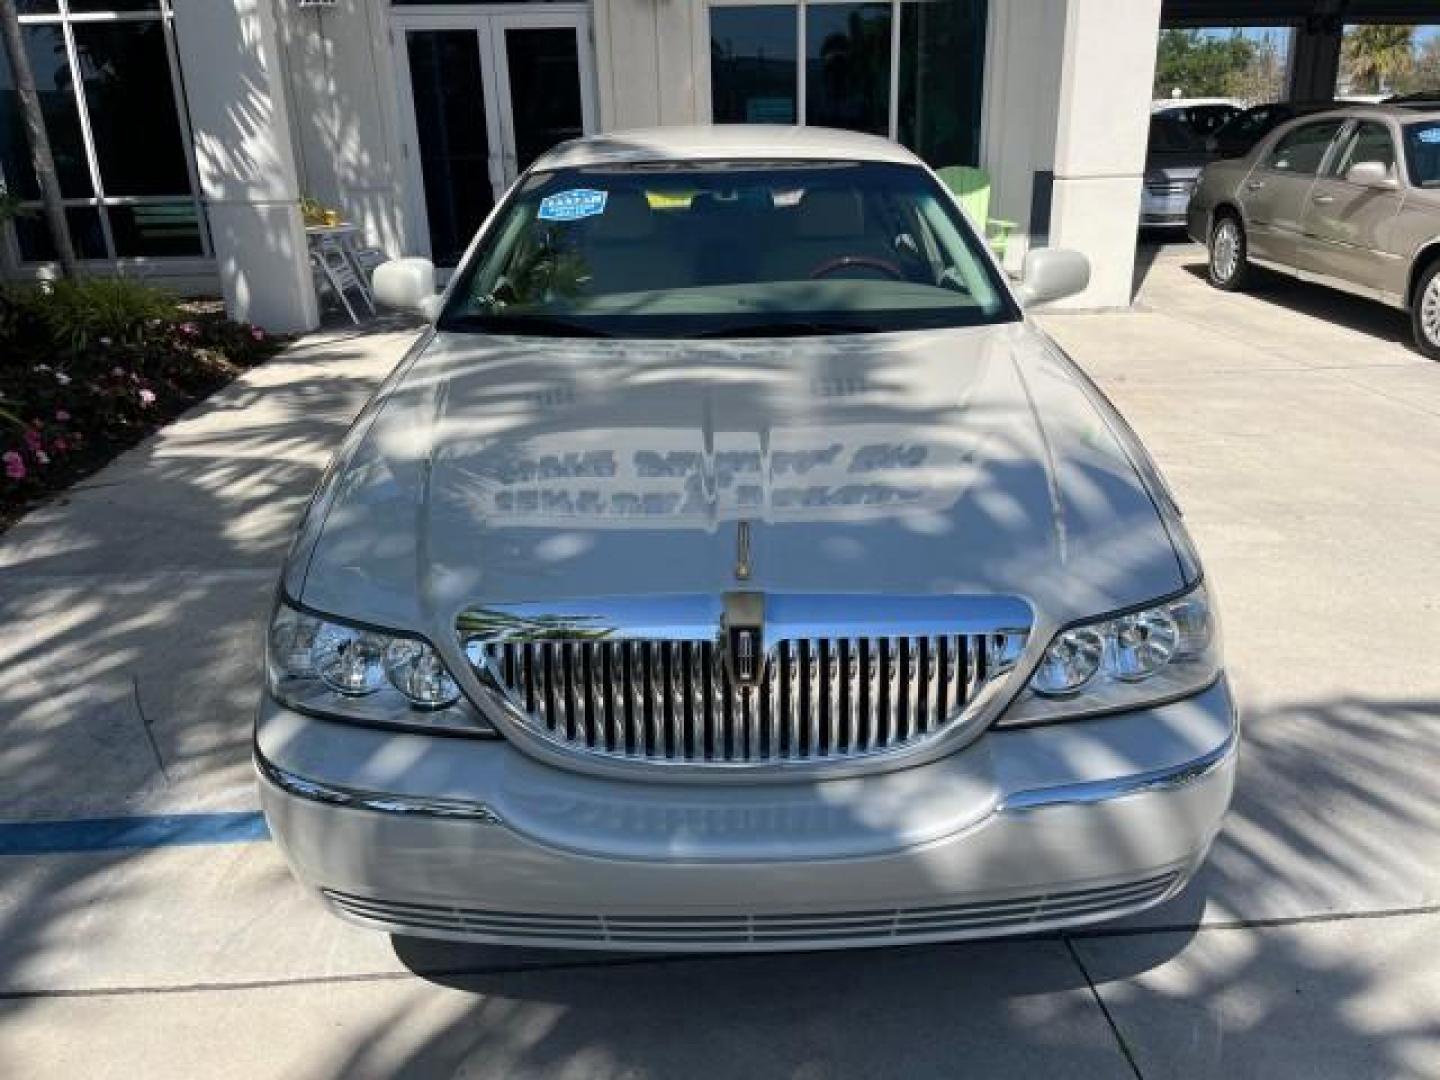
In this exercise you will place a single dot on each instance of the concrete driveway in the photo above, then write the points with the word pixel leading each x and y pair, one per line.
pixel 1302 437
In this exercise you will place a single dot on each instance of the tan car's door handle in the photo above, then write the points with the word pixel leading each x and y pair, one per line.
pixel 1324 200
pixel 1254 185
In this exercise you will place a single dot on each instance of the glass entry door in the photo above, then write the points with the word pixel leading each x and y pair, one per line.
pixel 482 95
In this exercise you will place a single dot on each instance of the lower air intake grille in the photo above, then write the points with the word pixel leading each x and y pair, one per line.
pixel 768 930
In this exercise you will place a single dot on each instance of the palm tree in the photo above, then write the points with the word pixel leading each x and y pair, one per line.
pixel 1376 56
pixel 41 157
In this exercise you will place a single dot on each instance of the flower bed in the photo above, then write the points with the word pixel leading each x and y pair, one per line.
pixel 88 368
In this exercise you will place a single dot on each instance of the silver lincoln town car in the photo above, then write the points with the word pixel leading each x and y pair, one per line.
pixel 734 565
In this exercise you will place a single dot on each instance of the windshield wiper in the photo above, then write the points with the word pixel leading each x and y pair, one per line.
pixel 787 328
pixel 523 326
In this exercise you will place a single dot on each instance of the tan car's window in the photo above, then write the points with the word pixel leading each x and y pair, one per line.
pixel 1368 142
pixel 1422 151
pixel 1302 150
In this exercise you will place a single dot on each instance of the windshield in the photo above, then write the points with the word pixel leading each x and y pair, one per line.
pixel 726 249
pixel 1170 136
pixel 1422 153
pixel 1249 127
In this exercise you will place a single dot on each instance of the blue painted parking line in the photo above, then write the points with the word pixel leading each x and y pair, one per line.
pixel 113 834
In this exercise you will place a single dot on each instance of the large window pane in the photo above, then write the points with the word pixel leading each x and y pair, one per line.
pixel 132 108
pixel 45 46
pixel 78 7
pixel 942 74
pixel 156 229
pixel 752 64
pixel 86 238
pixel 847 66
pixel 545 101
pixel 454 148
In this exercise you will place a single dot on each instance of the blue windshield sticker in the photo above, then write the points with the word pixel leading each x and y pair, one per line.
pixel 572 205
pixel 1430 136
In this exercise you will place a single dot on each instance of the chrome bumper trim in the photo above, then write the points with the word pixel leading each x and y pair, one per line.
pixel 1082 794
pixel 1120 787
pixel 299 786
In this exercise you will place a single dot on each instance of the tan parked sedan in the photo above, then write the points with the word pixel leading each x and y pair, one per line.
pixel 1349 199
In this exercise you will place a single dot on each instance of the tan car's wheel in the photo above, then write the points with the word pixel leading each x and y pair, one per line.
pixel 1426 313
pixel 1229 264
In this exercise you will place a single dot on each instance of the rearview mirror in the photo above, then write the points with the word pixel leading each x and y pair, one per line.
pixel 1369 174
pixel 1053 274
pixel 407 285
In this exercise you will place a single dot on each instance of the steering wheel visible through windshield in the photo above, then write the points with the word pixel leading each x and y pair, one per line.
pixel 720 249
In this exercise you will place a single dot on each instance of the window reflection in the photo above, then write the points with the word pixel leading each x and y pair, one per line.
pixel 126 77
pixel 45 46
pixel 847 66
pixel 754 76
pixel 942 75
pixel 752 64
pixel 130 195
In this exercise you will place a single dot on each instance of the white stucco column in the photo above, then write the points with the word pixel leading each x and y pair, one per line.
pixel 234 86
pixel 1102 128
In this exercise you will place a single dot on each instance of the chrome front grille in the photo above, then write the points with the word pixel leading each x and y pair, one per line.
pixel 672 700
pixel 1170 187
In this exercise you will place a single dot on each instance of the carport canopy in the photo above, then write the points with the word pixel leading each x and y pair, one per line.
pixel 1319 28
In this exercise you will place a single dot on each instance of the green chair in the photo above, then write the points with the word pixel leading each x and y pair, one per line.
pixel 971 188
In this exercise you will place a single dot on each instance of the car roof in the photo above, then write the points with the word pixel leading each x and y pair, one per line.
pixel 725 142
pixel 1404 112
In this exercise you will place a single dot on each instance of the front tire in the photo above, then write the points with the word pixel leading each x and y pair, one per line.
pixel 1425 312
pixel 1229 254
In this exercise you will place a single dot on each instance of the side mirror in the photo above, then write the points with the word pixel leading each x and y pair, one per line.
pixel 1369 174
pixel 1053 274
pixel 408 285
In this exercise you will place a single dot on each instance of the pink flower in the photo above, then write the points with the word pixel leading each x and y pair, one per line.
pixel 32 439
pixel 14 465
pixel 257 333
pixel 189 329
pixel 62 416
pixel 60 446
pixel 147 398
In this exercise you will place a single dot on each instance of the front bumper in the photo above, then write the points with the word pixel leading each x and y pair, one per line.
pixel 1164 210
pixel 1022 831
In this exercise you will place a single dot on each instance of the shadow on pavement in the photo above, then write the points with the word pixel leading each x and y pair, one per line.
pixel 1328 305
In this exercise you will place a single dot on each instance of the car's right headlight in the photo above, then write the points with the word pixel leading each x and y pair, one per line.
pixel 344 671
pixel 1129 660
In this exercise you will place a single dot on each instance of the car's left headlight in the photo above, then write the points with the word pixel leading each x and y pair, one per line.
pixel 344 671
pixel 1129 660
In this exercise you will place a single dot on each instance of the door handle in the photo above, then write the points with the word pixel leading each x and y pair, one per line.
pixel 1254 185
pixel 1324 200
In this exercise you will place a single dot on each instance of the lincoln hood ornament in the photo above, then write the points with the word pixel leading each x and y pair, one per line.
pixel 742 551
pixel 742 639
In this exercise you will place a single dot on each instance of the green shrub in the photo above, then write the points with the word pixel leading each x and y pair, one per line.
pixel 74 316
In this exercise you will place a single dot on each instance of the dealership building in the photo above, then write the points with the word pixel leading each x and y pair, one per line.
pixel 186 132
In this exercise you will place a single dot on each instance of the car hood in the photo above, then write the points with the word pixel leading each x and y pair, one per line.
pixel 508 470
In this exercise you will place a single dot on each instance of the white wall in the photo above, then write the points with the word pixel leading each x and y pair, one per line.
pixel 645 63
pixel 1102 128
pixel 342 89
pixel 1023 60
pixel 240 121
pixel 1068 87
